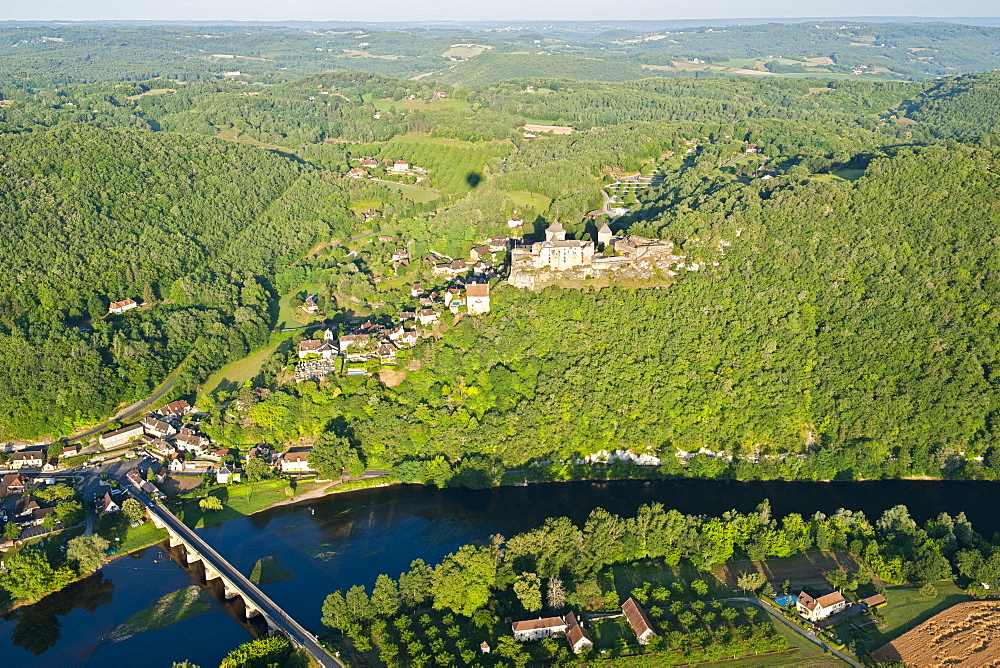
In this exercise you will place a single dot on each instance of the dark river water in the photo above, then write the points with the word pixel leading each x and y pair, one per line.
pixel 348 539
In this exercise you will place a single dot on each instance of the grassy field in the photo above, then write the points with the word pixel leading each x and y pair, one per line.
pixel 267 570
pixel 238 500
pixel 523 199
pixel 906 609
pixel 170 609
pixel 802 570
pixel 139 537
pixel 416 193
pixel 802 653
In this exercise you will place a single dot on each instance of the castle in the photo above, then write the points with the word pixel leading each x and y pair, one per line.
pixel 545 262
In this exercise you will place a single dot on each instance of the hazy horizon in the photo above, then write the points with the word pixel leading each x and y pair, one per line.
pixel 394 11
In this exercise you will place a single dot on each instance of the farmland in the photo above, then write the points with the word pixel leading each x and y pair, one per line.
pixel 968 633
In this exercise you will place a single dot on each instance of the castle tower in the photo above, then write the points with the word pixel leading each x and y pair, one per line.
pixel 555 232
pixel 604 235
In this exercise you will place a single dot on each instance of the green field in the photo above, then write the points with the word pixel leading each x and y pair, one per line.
pixel 416 193
pixel 906 609
pixel 238 501
pixel 139 537
pixel 236 373
pixel 523 199
pixel 450 103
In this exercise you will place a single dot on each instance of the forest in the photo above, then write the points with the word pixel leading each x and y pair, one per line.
pixel 561 566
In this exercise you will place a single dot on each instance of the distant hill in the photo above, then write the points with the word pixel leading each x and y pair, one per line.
pixel 959 107
pixel 493 67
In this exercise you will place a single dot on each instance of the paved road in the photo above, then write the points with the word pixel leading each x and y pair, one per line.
pixel 278 616
pixel 134 408
pixel 808 635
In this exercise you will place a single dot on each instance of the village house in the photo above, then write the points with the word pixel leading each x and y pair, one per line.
pixel 399 255
pixel 226 474
pixel 136 479
pixel 479 252
pixel 159 447
pixel 428 316
pixel 499 244
pixel 515 223
pixel 577 636
pixel 122 306
pixel 25 506
pixel 385 237
pixel 113 439
pixel 400 166
pixel 178 408
pixel 13 483
pixel 357 173
pixel 639 621
pixel 477 298
pixel 70 451
pixel 295 461
pixel 326 347
pixel 191 441
pixel 157 428
pixel 310 305
pixel 816 609
pixel 416 290
pixel 536 629
pixel 484 647
pixel 106 505
pixel 27 459
pixel 369 162
pixel 453 268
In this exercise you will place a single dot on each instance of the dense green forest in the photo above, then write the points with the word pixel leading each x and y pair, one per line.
pixel 559 566
pixel 189 227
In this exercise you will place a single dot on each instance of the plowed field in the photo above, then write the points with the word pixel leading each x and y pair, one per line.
pixel 965 634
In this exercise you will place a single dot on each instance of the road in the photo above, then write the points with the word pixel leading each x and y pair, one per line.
pixel 269 608
pixel 808 635
pixel 134 408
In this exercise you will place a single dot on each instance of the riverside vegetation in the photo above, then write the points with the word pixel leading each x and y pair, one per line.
pixel 439 614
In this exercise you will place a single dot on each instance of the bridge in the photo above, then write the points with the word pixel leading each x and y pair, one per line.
pixel 235 583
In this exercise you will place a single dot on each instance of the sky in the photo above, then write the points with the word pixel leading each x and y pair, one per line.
pixel 443 10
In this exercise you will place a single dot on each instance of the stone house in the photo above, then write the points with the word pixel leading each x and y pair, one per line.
pixel 113 439
pixel 638 620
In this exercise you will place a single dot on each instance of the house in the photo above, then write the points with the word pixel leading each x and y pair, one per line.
pixel 577 637
pixel 386 352
pixel 176 464
pixel 23 507
pixel 226 474
pixel 369 162
pixel 400 166
pixel 106 505
pixel 399 255
pixel 453 268
pixel 122 306
pixel 326 347
pixel 27 459
pixel 428 316
pixel 51 464
pixel 13 483
pixel 639 621
pixel 357 173
pixel 310 305
pixel 815 609
pixel 178 408
pixel 536 629
pixel 70 451
pixel 479 252
pixel 159 447
pixel 477 297
pixel 385 237
pixel 416 290
pixel 191 441
pixel 295 461
pixel 484 647
pixel 530 135
pixel 750 148
pixel 378 115
pixel 498 244
pixel 36 517
pixel 157 428
pixel 515 223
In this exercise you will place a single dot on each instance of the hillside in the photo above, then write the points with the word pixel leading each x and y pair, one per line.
pixel 89 216
pixel 492 67
pixel 959 107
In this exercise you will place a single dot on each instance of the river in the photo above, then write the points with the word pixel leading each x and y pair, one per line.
pixel 348 539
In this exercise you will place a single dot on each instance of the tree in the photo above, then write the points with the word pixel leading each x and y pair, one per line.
pixel 928 591
pixel 133 511
pixel 210 503
pixel 88 552
pixel 385 599
pixel 151 474
pixel 463 581
pixel 333 454
pixel 528 588
pixel 750 581
pixel 11 531
pixel 556 594
pixel 415 584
